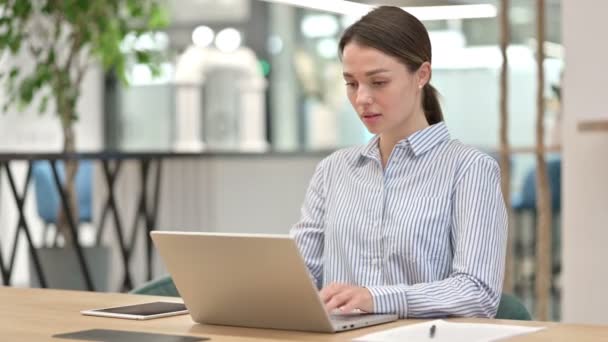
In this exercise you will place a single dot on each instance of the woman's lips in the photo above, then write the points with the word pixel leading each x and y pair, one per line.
pixel 371 118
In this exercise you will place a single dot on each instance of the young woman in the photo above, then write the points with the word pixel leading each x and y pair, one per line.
pixel 413 223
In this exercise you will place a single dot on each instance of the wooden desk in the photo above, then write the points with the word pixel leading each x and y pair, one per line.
pixel 38 314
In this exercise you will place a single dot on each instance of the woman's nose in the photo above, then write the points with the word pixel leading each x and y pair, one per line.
pixel 363 97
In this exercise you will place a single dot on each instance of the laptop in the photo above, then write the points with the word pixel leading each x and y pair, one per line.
pixel 247 280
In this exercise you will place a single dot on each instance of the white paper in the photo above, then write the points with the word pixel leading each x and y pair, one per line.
pixel 448 331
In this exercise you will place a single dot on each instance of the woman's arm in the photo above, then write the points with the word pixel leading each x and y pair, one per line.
pixel 308 232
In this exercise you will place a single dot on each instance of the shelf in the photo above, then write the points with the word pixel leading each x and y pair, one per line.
pixel 595 125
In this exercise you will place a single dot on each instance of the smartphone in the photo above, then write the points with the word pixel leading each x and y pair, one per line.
pixel 140 311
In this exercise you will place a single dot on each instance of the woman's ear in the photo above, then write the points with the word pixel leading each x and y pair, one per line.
pixel 424 74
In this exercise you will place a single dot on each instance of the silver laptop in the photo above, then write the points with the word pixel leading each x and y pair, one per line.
pixel 250 281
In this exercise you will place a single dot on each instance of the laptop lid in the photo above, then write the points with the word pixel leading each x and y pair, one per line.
pixel 246 280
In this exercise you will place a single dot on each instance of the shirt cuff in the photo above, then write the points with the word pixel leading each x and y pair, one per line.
pixel 389 299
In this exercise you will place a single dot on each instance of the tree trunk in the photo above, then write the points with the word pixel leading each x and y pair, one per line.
pixel 543 197
pixel 505 164
pixel 69 186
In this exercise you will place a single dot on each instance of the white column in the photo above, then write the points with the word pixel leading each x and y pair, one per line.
pixel 189 81
pixel 188 120
pixel 252 123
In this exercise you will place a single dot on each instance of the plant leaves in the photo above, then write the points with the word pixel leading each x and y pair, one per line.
pixel 43 105
pixel 97 25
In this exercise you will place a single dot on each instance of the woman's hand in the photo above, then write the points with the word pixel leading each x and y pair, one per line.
pixel 346 298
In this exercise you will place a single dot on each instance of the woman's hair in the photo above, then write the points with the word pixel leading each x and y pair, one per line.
pixel 397 33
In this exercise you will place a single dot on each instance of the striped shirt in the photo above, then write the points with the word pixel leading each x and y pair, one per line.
pixel 426 234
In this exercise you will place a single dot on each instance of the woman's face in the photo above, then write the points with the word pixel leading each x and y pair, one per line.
pixel 385 94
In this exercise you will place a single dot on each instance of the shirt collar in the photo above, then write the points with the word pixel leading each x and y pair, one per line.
pixel 419 142
pixel 427 138
pixel 371 150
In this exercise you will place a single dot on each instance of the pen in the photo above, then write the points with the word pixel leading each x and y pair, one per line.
pixel 432 331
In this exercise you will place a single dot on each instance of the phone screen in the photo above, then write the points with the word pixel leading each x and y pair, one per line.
pixel 147 309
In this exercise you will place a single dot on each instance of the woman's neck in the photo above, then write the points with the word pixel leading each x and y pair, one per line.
pixel 388 140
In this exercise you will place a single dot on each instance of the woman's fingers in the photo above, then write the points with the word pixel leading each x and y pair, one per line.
pixel 347 298
pixel 331 290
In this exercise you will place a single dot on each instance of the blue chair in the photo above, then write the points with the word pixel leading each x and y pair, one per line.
pixel 163 286
pixel 526 199
pixel 47 195
pixel 525 237
pixel 510 307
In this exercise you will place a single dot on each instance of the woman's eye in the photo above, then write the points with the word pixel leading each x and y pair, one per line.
pixel 379 83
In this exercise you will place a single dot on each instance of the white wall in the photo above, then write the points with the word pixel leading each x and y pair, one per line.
pixel 585 163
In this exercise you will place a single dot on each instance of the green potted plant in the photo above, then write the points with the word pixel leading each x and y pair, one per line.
pixel 63 39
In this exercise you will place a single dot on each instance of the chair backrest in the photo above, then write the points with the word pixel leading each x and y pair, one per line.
pixel 511 308
pixel 160 287
pixel 47 196
pixel 527 198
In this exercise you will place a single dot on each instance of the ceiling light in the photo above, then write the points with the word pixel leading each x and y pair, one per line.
pixel 202 36
pixel 423 13
pixel 319 25
pixel 228 40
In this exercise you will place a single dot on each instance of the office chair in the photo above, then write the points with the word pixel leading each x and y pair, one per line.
pixel 526 199
pixel 510 307
pixel 47 195
pixel 159 287
pixel 525 237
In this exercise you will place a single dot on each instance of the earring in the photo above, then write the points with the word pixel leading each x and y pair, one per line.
pixel 420 86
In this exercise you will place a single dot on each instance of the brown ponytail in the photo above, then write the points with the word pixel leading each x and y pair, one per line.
pixel 430 104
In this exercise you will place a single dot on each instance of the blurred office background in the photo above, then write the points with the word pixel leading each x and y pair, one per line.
pixel 256 88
